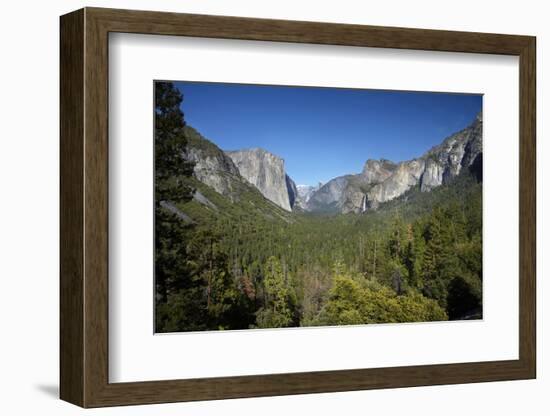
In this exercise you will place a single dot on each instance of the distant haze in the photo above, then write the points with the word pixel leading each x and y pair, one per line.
pixel 322 133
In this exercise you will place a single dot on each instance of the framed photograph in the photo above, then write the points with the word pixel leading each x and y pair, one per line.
pixel 260 207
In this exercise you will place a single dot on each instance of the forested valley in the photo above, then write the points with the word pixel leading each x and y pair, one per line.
pixel 240 262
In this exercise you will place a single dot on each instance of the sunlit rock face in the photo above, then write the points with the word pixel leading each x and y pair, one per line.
pixel 383 180
pixel 266 172
pixel 328 198
pixel 211 165
pixel 379 181
pixel 432 176
pixel 406 175
pixel 376 171
pixel 303 195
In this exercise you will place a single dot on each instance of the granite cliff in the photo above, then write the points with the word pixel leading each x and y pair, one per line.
pixel 266 172
pixel 379 181
pixel 383 180
pixel 211 165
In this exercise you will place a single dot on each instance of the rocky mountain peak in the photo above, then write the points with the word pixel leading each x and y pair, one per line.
pixel 304 193
pixel 211 166
pixel 376 171
pixel 383 180
pixel 266 172
pixel 379 181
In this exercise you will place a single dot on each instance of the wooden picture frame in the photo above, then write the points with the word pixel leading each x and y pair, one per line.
pixel 84 207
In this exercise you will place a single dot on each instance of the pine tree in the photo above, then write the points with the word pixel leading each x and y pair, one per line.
pixel 431 272
pixel 171 169
pixel 277 311
pixel 224 306
pixel 170 145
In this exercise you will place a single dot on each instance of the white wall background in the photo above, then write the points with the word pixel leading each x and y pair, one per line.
pixel 29 210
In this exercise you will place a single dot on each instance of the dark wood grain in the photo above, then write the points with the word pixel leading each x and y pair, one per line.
pixel 527 208
pixel 162 23
pixel 71 100
pixel 96 226
pixel 84 207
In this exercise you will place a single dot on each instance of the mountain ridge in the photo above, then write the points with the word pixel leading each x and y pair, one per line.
pixel 380 180
pixel 383 180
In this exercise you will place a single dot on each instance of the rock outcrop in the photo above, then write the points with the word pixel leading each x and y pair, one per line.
pixel 376 171
pixel 379 181
pixel 211 165
pixel 406 175
pixel 304 193
pixel 383 180
pixel 432 176
pixel 266 172
pixel 328 198
pixel 169 206
pixel 292 190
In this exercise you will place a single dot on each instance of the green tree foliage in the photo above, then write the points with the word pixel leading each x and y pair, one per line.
pixel 354 302
pixel 206 295
pixel 171 169
pixel 194 285
pixel 225 306
pixel 279 297
pixel 409 264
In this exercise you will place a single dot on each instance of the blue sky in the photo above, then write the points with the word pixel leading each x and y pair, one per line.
pixel 322 133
